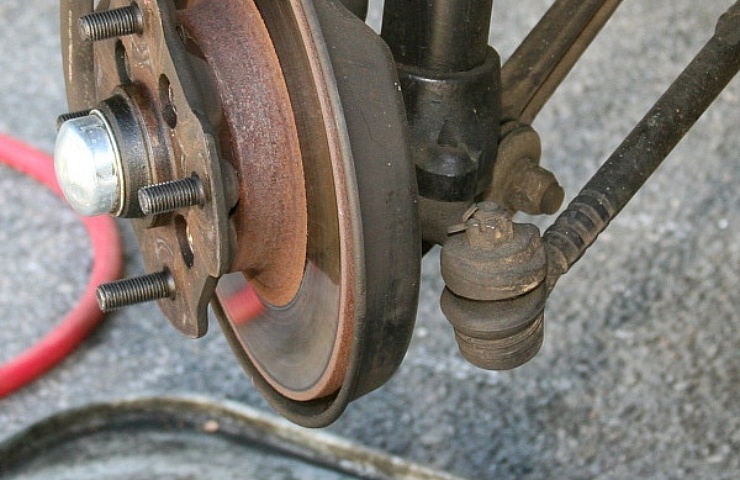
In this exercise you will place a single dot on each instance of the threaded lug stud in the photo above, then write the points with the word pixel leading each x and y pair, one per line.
pixel 131 291
pixel 71 116
pixel 111 23
pixel 170 196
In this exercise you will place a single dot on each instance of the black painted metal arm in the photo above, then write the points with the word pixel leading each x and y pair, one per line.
pixel 549 52
pixel 358 7
pixel 438 35
pixel 617 181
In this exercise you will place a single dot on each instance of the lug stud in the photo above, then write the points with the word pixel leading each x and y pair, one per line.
pixel 132 291
pixel 111 23
pixel 170 196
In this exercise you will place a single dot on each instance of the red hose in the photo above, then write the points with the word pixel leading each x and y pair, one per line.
pixel 85 316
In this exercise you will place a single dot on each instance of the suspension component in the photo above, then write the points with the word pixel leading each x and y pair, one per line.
pixel 543 60
pixel 498 335
pixel 450 79
pixel 645 148
pixel 494 270
pixel 519 182
pixel 242 139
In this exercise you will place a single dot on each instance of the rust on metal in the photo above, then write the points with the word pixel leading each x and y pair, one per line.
pixel 205 96
pixel 323 135
pixel 153 72
pixel 519 182
pixel 260 140
pixel 77 54
pixel 295 238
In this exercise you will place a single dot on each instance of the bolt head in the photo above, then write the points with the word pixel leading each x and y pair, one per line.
pixel 87 165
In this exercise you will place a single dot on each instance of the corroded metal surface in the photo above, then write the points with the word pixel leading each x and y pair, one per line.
pixel 295 243
pixel 494 259
pixel 241 98
pixel 352 102
pixel 495 296
pixel 519 183
pixel 77 54
pixel 152 69
pixel 633 367
pixel 259 138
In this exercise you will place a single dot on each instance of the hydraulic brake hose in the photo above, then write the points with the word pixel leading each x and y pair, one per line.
pixel 85 316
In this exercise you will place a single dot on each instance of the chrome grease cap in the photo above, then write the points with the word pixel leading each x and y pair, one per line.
pixel 88 165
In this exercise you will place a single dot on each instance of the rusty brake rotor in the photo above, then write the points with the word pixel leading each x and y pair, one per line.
pixel 300 339
pixel 284 120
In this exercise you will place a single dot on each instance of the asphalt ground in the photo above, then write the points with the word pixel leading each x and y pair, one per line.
pixel 639 374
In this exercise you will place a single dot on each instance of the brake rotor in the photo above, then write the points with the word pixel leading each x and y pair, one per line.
pixel 306 280
pixel 301 126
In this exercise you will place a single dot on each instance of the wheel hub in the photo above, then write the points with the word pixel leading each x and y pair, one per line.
pixel 255 171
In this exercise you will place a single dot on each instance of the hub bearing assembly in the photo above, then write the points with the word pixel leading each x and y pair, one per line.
pixel 260 149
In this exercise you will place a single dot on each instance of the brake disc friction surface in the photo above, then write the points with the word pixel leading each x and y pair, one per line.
pixel 294 240
pixel 363 250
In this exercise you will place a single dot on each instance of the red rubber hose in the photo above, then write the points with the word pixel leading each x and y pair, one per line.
pixel 85 316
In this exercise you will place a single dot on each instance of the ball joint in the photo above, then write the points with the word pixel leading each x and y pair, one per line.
pixel 494 270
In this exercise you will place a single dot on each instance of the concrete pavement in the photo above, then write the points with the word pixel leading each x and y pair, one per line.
pixel 639 374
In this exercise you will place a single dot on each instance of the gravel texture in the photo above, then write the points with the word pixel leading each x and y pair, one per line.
pixel 639 374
